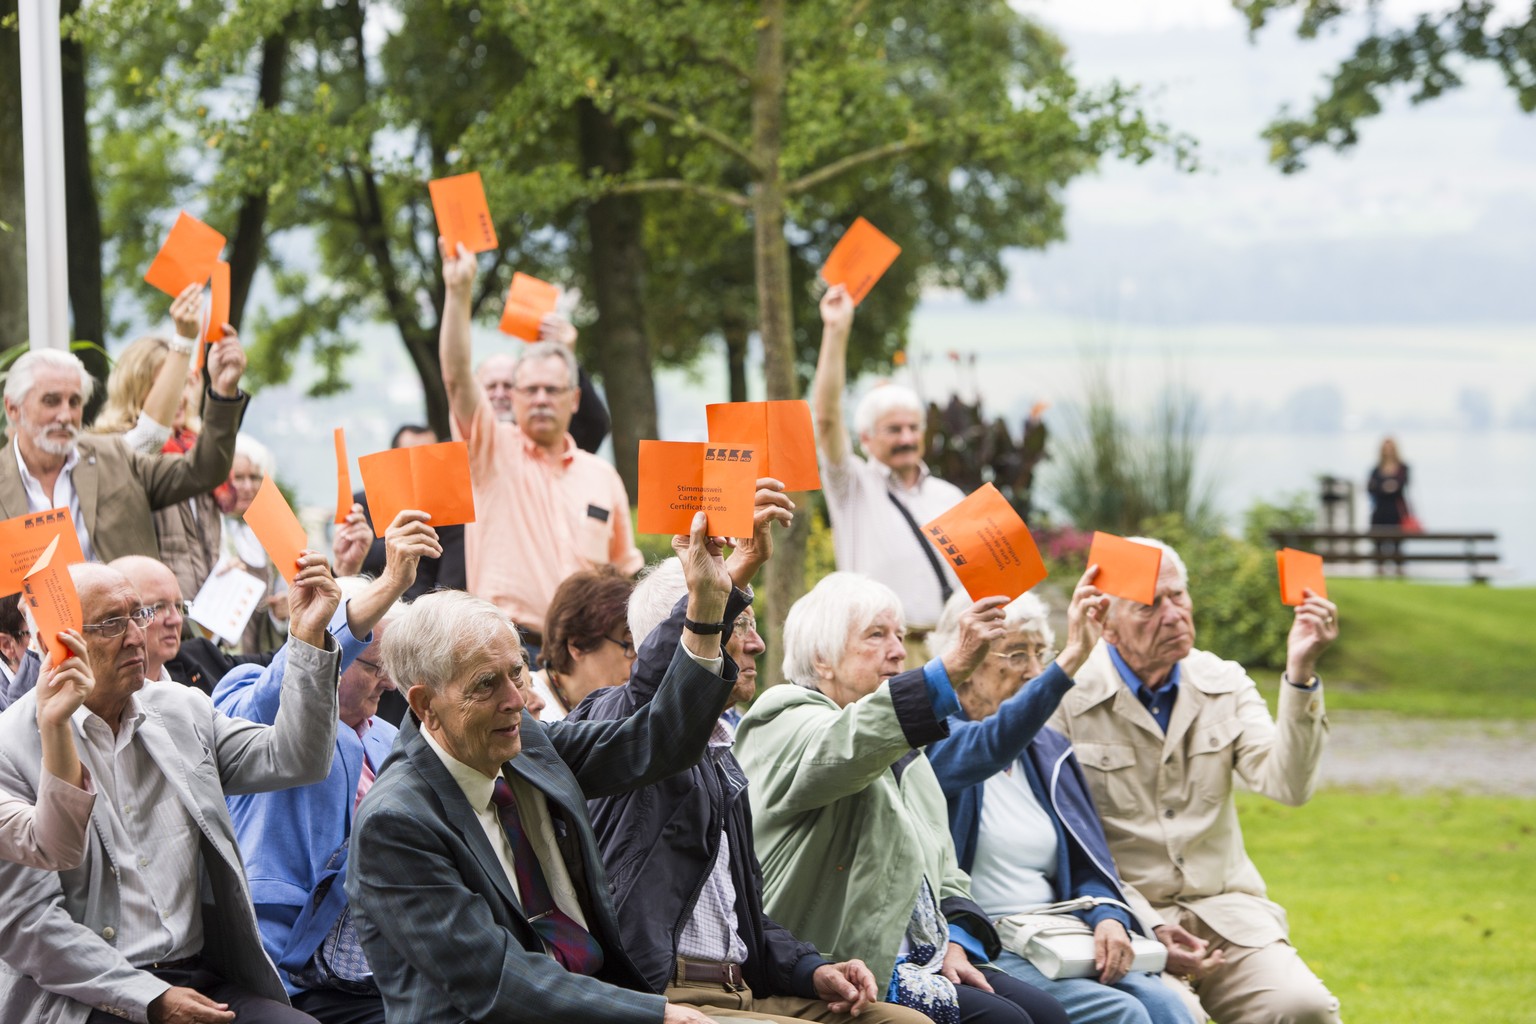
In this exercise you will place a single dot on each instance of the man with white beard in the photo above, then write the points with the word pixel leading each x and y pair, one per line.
pixel 108 488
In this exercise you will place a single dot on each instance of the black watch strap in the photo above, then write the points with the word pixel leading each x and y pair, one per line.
pixel 703 628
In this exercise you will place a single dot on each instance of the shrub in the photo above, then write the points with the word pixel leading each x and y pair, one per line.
pixel 1113 473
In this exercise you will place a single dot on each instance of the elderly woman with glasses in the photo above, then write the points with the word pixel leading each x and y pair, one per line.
pixel 587 643
pixel 1023 823
pixel 850 824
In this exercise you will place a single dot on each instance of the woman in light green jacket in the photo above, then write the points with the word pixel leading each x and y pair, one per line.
pixel 850 825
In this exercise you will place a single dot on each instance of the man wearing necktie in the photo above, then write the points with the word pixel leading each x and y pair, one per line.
pixel 477 885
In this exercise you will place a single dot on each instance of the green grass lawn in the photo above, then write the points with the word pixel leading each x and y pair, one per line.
pixel 1432 650
pixel 1410 908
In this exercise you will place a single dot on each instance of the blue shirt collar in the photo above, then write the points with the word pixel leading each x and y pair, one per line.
pixel 1131 679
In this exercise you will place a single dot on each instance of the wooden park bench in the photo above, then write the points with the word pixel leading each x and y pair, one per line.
pixel 1357 546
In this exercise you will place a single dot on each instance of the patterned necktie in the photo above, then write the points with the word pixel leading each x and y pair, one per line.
pixel 571 944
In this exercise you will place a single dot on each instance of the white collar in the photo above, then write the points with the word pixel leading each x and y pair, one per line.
pixel 476 787
pixel 70 462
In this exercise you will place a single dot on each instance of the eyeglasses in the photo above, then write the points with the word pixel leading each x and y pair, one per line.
pixel 1021 660
pixel 118 625
pixel 161 607
pixel 374 668
pixel 746 622
pixel 628 645
pixel 532 390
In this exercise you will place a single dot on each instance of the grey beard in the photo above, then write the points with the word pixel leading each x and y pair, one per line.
pixel 52 447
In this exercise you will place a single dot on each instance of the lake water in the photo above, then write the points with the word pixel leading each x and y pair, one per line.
pixel 1254 381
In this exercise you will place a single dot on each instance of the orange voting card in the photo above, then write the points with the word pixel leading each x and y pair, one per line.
pixel 52 600
pixel 1300 570
pixel 24 539
pixel 343 478
pixel 462 212
pixel 987 545
pixel 859 258
pixel 528 300
pixel 218 305
pixel 679 478
pixel 781 430
pixel 278 529
pixel 433 478
pixel 187 257
pixel 1126 569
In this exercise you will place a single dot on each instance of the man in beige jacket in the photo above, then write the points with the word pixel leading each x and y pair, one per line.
pixel 1161 730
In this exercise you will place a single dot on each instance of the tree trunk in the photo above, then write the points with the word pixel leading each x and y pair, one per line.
pixel 622 350
pixel 737 335
pixel 786 571
pixel 251 224
pixel 83 233
pixel 13 197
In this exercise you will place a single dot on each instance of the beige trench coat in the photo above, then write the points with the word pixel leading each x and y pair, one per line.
pixel 1166 801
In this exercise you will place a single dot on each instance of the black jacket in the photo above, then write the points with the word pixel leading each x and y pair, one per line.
pixel 659 843
pixel 200 663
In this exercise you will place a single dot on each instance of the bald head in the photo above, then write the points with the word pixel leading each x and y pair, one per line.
pixel 117 662
pixel 158 589
pixel 498 375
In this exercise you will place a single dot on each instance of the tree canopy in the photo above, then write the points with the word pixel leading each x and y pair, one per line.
pixel 1425 58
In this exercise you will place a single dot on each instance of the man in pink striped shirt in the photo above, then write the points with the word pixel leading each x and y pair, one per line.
pixel 544 508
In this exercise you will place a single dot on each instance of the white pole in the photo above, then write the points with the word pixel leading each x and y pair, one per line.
pixel 42 121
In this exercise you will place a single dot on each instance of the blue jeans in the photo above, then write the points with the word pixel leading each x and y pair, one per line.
pixel 1134 999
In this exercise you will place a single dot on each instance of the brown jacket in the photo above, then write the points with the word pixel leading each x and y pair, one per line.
pixel 190 533
pixel 119 487
pixel 1166 801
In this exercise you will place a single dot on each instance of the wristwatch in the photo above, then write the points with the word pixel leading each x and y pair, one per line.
pixel 703 628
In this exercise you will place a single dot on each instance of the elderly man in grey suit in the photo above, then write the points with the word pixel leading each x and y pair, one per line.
pixel 477 884
pixel 157 924
pixel 109 489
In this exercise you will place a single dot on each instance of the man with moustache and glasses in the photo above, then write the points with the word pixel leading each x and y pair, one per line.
pixel 109 488
pixel 878 503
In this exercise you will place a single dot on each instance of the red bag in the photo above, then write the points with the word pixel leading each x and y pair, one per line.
pixel 1410 522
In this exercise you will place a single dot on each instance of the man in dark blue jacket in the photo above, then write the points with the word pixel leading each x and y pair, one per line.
pixel 679 855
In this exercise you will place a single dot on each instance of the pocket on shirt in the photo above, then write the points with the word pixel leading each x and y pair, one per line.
pixel 1211 758
pixel 594 535
pixel 1111 772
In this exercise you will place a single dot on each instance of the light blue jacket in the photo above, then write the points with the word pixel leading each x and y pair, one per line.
pixel 287 836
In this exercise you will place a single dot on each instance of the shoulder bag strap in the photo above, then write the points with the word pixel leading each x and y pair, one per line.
pixel 945 590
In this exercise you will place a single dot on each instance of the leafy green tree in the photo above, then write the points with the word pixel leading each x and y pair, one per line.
pixel 319 122
pixel 1425 58
pixel 787 118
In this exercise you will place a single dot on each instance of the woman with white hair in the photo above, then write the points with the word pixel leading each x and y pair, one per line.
pixel 849 821
pixel 1021 817
pixel 268 627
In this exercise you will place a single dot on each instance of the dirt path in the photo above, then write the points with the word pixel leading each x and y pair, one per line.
pixel 1381 751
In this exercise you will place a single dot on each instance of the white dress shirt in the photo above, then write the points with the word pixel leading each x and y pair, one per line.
pixel 154 842
pixel 64 496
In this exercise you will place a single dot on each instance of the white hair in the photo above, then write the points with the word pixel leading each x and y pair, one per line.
pixel 819 625
pixel 656 593
pixel 1169 555
pixel 260 455
pixel 1025 613
pixel 23 373
pixel 547 350
pixel 883 400
pixel 427 641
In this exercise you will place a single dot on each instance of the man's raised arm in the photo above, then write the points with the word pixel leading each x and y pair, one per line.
pixel 832 376
pixel 453 343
